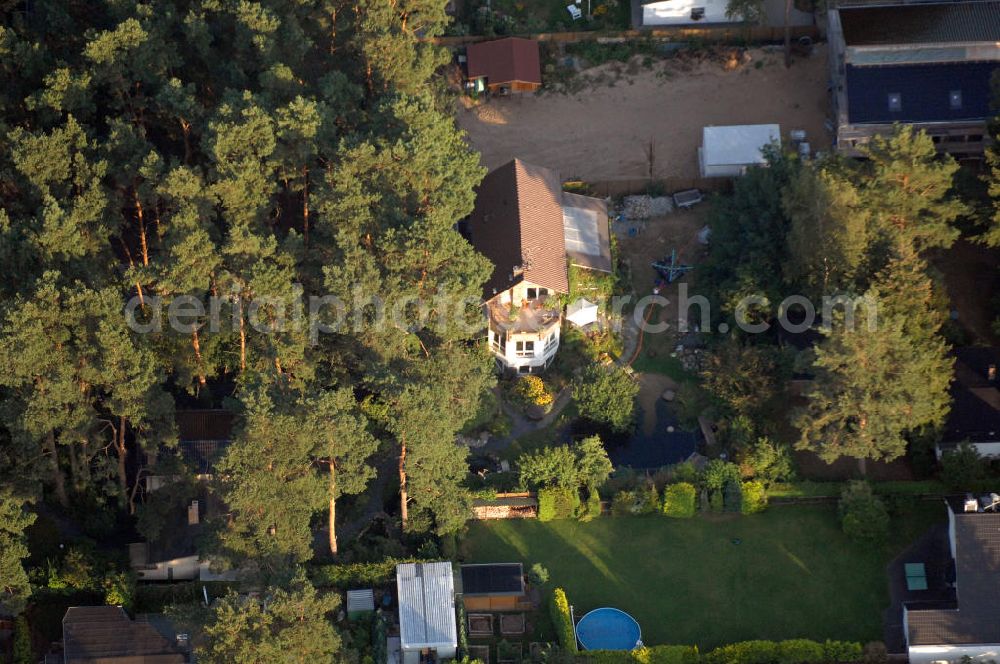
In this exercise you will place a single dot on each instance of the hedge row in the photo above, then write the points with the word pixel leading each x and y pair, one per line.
pixel 795 651
pixel 643 655
pixel 153 597
pixel 557 504
pixel 357 575
pixel 562 620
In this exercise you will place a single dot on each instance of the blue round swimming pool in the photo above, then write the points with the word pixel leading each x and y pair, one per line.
pixel 608 629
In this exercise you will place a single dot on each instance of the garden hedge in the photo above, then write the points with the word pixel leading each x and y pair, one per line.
pixel 357 575
pixel 643 655
pixel 754 497
pixel 562 620
pixel 794 651
pixel 557 504
pixel 679 500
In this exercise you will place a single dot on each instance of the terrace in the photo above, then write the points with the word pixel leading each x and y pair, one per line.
pixel 534 316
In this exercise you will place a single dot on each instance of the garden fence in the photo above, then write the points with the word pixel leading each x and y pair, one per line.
pixel 717 34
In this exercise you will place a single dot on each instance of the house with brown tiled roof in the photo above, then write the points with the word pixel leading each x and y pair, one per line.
pixel 510 64
pixel 531 231
pixel 106 635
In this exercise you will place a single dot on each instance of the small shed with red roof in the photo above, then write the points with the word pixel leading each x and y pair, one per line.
pixel 511 63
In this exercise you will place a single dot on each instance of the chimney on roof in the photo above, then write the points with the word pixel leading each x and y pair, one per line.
pixel 991 373
pixel 971 504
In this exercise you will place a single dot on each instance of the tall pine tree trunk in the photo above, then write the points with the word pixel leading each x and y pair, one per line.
pixel 403 507
pixel 142 230
pixel 305 209
pixel 58 481
pixel 196 343
pixel 122 456
pixel 333 507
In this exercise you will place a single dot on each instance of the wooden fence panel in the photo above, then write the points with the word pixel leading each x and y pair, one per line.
pixel 715 34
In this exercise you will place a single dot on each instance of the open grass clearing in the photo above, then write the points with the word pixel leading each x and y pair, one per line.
pixel 792 574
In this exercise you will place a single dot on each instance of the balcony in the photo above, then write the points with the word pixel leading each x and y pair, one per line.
pixel 533 317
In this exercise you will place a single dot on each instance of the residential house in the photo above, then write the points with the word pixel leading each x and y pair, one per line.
pixel 504 65
pixel 494 587
pixel 975 410
pixel 532 231
pixel 203 436
pixel 966 626
pixel 925 64
pixel 428 631
pixel 106 635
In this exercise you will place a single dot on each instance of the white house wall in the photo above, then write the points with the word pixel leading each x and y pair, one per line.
pixel 546 346
pixel 990 450
pixel 678 12
pixel 954 654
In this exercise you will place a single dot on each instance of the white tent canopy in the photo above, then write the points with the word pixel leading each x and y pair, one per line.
pixel 581 312
pixel 728 151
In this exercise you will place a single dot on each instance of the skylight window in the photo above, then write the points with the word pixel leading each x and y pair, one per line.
pixel 955 99
pixel 895 102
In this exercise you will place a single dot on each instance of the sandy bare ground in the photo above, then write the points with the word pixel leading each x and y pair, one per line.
pixel 603 132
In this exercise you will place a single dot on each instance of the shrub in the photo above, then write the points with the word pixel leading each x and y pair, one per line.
pixel 754 497
pixel 592 508
pixel 606 396
pixel 538 575
pixel 732 496
pixel 649 499
pixel 718 473
pixel 557 504
pixel 623 503
pixel 643 655
pixel 562 621
pixel 794 651
pixel 685 472
pixel 530 390
pixel 715 502
pixel 863 515
pixel 962 468
pixel 355 575
pixel 22 642
pixel 549 466
pixel 679 500
pixel 119 589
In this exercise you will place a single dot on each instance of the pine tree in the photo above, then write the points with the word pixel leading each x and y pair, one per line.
pixel 14 586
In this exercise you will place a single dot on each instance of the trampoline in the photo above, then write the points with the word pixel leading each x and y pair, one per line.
pixel 608 629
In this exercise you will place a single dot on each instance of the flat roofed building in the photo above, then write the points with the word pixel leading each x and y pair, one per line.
pixel 427 627
pixel 926 64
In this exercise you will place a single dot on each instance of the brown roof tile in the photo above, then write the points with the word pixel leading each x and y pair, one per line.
pixel 505 61
pixel 518 224
pixel 106 635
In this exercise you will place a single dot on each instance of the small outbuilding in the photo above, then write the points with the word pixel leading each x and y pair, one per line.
pixel 504 65
pixel 427 628
pixel 360 602
pixel 493 587
pixel 730 151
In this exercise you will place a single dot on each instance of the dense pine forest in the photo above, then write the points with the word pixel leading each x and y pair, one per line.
pixel 245 152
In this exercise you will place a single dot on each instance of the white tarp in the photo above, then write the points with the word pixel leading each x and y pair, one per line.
pixel 725 151
pixel 581 312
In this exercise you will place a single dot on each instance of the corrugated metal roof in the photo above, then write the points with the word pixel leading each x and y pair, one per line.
pixel 426 605
pixel 360 600
pixel 921 24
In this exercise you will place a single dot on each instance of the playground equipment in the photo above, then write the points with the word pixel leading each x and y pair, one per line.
pixel 672 270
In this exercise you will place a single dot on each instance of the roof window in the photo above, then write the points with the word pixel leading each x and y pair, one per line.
pixel 895 102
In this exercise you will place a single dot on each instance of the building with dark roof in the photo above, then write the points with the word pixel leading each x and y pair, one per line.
pixel 530 230
pixel 493 587
pixel 106 635
pixel 975 402
pixel 968 626
pixel 512 64
pixel 926 64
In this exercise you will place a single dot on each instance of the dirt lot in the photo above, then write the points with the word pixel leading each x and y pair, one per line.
pixel 603 132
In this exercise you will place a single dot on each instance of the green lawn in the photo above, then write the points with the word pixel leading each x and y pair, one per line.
pixel 793 574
